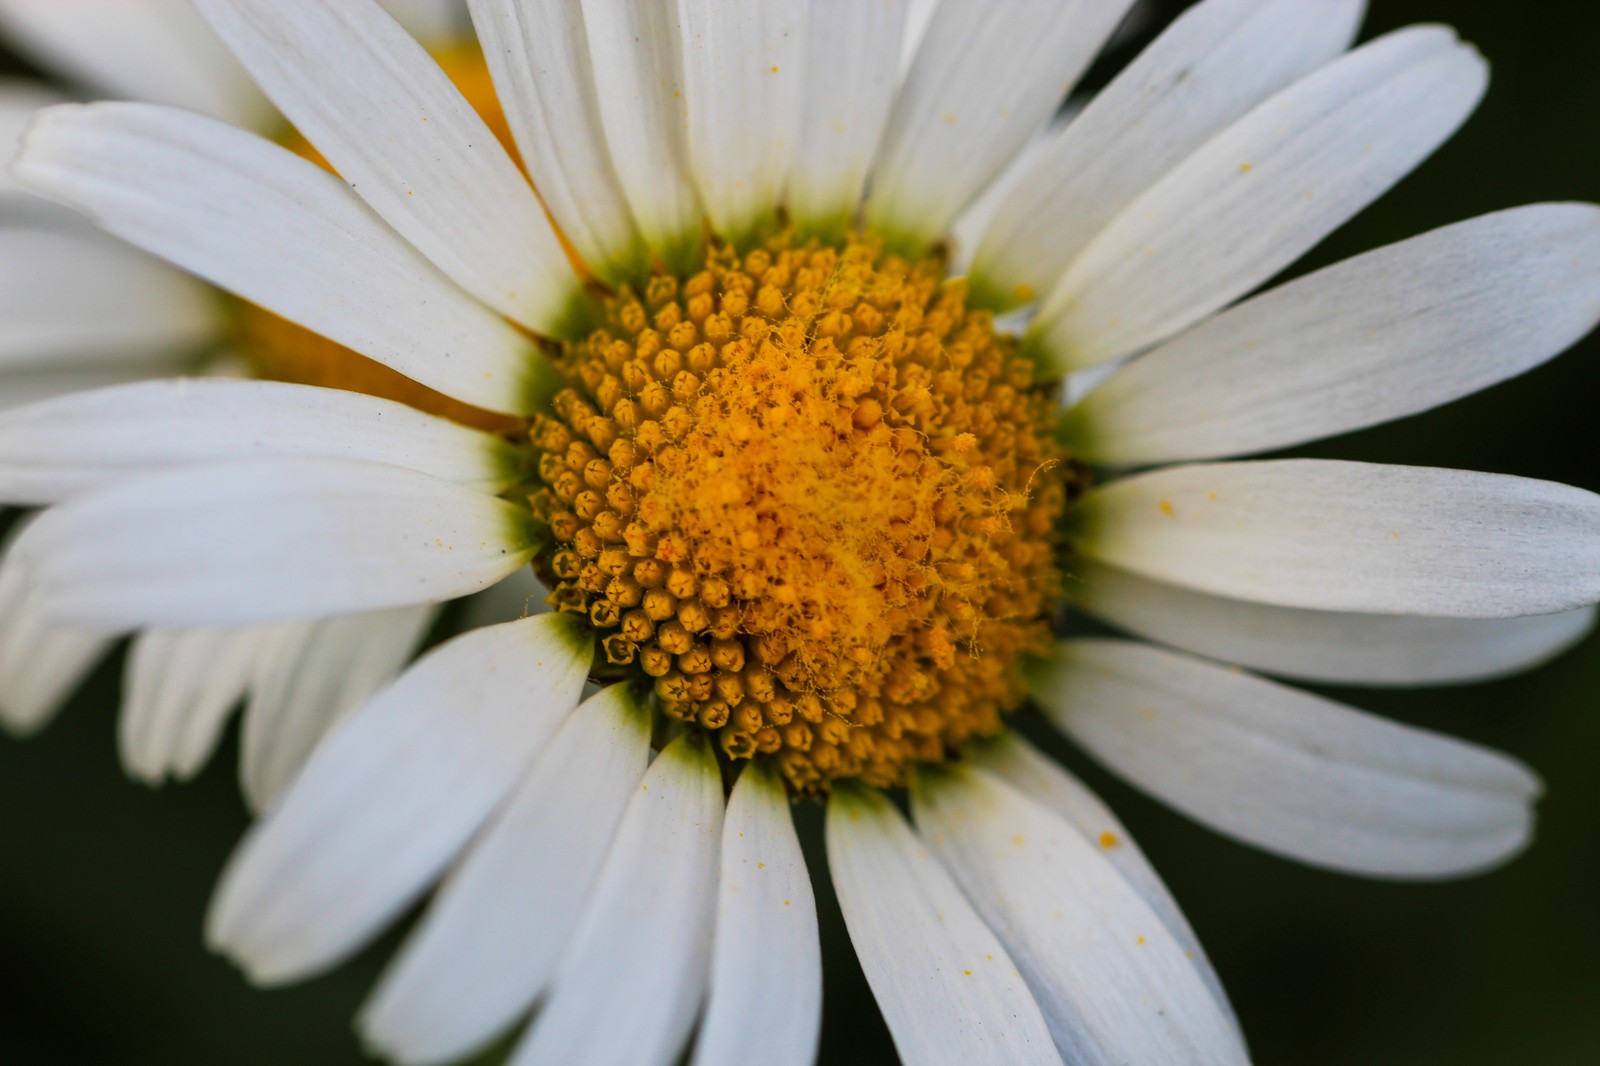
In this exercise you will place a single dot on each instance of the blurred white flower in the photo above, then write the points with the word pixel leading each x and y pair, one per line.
pixel 80 310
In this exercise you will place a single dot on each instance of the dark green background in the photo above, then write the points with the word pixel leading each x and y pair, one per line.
pixel 103 882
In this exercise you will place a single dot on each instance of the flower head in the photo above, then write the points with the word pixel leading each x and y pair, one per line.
pixel 809 516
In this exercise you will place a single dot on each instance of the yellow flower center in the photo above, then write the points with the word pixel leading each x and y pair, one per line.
pixel 814 497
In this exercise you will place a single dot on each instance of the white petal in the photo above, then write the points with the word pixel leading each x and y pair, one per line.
pixel 636 52
pixel 1113 982
pixel 646 949
pixel 391 123
pixel 947 989
pixel 392 795
pixel 1257 196
pixel 744 80
pixel 316 674
pixel 40 663
pixel 155 50
pixel 970 226
pixel 765 1003
pixel 1208 68
pixel 986 78
pixel 538 53
pixel 77 300
pixel 279 231
pixel 491 940
pixel 178 687
pixel 1361 537
pixel 1047 782
pixel 919 13
pixel 23 387
pixel 432 22
pixel 237 543
pixel 849 84
pixel 62 447
pixel 19 100
pixel 1328 646
pixel 1377 337
pixel 1075 386
pixel 1285 770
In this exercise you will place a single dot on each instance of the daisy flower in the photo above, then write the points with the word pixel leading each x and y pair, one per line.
pixel 810 518
pixel 80 309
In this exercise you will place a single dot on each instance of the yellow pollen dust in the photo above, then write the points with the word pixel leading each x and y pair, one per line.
pixel 814 497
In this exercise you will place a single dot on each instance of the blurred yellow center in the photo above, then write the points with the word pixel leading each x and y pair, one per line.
pixel 812 495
